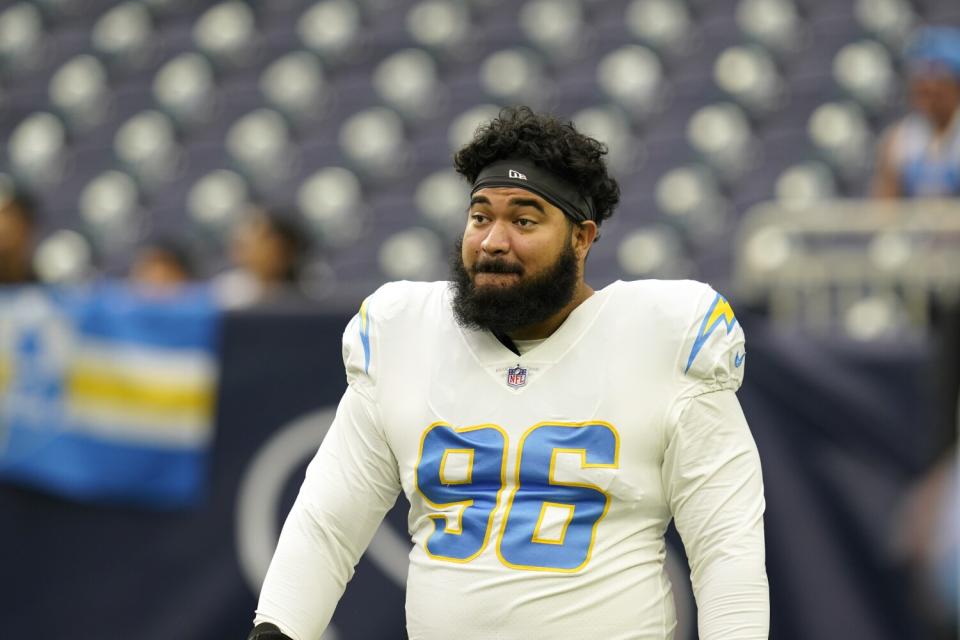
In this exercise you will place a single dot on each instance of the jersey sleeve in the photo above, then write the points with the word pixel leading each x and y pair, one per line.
pixel 358 361
pixel 350 484
pixel 712 480
pixel 713 354
pixel 365 337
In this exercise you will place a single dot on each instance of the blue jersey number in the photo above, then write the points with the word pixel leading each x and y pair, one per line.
pixel 465 468
pixel 473 486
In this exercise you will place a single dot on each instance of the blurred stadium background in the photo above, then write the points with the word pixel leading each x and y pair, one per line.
pixel 744 134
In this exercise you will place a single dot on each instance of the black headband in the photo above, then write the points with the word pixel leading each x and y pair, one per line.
pixel 549 186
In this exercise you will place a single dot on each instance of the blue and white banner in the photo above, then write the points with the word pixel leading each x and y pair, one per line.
pixel 107 394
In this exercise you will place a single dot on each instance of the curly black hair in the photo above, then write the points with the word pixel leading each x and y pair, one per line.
pixel 548 142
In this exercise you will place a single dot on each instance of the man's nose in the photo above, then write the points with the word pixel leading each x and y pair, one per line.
pixel 497 241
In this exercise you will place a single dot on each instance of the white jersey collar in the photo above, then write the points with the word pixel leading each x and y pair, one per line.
pixel 489 351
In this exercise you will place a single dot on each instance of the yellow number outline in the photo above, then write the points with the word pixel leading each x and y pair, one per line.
pixel 551 481
pixel 443 466
pixel 462 504
pixel 563 528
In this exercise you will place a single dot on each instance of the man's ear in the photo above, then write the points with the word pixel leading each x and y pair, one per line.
pixel 584 235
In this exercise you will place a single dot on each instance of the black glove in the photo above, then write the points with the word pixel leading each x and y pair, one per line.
pixel 266 631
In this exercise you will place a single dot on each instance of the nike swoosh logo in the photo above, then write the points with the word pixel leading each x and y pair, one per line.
pixel 738 359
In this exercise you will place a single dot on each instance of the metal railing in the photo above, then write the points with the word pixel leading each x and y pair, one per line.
pixel 865 267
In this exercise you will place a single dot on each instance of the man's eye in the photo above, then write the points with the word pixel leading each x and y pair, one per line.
pixel 479 218
pixel 524 222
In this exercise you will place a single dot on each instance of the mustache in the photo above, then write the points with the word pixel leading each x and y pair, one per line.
pixel 496 266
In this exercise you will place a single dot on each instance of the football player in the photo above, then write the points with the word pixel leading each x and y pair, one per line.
pixel 543 432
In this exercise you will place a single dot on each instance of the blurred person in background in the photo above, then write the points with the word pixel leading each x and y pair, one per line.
pixel 162 265
pixel 267 250
pixel 17 228
pixel 920 154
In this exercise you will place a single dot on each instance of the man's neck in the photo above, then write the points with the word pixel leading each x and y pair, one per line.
pixel 546 328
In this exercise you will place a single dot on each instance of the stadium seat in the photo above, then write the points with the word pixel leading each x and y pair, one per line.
pixel 890 21
pixel 654 251
pixel 874 317
pixel 663 25
pixel 515 76
pixel 375 143
pixel 411 254
pixel 864 70
pixel 773 24
pixel 767 250
pixel 632 77
pixel 259 142
pixel 146 144
pixel 440 26
pixel 217 200
pixel 318 279
pixel 63 257
pixel 123 36
pixel 407 81
pixel 893 250
pixel 463 126
pixel 441 200
pixel 331 203
pixel 295 85
pixel 555 27
pixel 803 185
pixel 330 28
pixel 721 135
pixel 227 33
pixel 110 210
pixel 79 92
pixel 749 76
pixel 609 125
pixel 840 132
pixel 690 197
pixel 184 88
pixel 21 38
pixel 37 149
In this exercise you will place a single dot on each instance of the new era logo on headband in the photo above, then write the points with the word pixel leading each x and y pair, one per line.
pixel 549 185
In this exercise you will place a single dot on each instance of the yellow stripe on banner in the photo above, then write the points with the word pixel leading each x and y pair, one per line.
pixel 6 373
pixel 125 392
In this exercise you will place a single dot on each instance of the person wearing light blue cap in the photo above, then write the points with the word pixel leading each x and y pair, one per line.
pixel 920 154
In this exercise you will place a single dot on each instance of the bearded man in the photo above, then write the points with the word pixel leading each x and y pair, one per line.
pixel 544 433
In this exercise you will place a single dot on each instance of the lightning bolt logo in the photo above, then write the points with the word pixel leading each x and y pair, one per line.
pixel 365 336
pixel 720 312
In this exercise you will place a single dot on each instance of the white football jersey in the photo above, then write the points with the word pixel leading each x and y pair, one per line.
pixel 540 485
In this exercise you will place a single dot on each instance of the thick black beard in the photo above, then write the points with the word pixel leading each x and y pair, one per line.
pixel 506 309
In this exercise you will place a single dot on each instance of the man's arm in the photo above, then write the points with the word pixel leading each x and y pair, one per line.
pixel 350 485
pixel 711 474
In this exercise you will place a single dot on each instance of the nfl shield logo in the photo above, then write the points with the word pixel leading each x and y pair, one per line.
pixel 516 377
